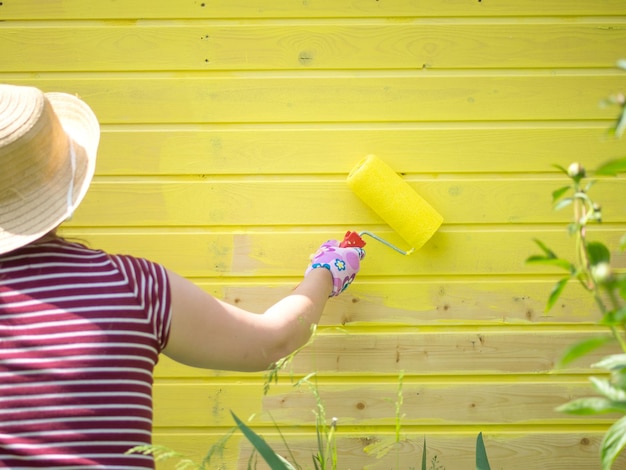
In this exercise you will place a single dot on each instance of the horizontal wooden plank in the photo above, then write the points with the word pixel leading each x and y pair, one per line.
pixel 442 352
pixel 105 9
pixel 453 449
pixel 270 252
pixel 424 351
pixel 389 45
pixel 443 301
pixel 359 403
pixel 232 201
pixel 342 96
pixel 336 148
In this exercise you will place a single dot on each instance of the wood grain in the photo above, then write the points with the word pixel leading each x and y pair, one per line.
pixel 407 45
pixel 272 252
pixel 517 450
pixel 279 201
pixel 389 96
pixel 359 403
pixel 463 352
pixel 320 149
pixel 150 9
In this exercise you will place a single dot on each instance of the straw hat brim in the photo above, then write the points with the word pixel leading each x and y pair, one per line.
pixel 44 203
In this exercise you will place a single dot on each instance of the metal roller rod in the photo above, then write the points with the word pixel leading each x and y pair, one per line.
pixel 385 242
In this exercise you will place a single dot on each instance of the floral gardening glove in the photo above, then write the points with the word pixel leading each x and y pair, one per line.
pixel 343 264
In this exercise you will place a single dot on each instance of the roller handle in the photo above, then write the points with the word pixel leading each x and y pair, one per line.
pixel 352 240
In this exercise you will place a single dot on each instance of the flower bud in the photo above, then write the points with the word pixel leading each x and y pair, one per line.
pixel 601 273
pixel 576 170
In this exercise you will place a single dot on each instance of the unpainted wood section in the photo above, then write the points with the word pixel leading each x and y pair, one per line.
pixel 342 96
pixel 207 201
pixel 358 403
pixel 447 352
pixel 273 252
pixel 454 449
pixel 416 301
pixel 335 149
pixel 211 9
pixel 390 45
pixel 432 352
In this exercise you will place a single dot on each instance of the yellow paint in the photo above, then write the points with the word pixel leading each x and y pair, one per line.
pixel 252 9
pixel 229 128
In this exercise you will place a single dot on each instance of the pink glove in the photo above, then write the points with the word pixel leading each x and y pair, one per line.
pixel 343 264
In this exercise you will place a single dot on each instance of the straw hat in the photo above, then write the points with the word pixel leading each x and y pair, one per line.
pixel 48 145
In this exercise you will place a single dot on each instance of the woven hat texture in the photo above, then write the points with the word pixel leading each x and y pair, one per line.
pixel 48 147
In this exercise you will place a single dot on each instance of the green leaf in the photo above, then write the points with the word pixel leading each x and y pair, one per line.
pixel 618 378
pixel 598 253
pixel 558 262
pixel 482 462
pixel 591 406
pixel 582 348
pixel 556 292
pixel 273 460
pixel 606 388
pixel 620 315
pixel 424 455
pixel 556 195
pixel 548 252
pixel 613 443
pixel 612 362
pixel 611 319
pixel 589 184
pixel 620 127
pixel 560 168
pixel 620 286
pixel 563 203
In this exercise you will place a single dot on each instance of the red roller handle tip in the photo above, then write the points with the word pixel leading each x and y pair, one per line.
pixel 352 240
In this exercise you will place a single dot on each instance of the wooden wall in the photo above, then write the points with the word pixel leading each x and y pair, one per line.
pixel 228 128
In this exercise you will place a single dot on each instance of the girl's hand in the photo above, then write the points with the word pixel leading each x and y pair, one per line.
pixel 343 263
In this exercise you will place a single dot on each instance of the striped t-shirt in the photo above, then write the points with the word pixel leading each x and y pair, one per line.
pixel 80 334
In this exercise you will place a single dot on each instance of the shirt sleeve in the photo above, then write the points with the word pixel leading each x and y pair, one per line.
pixel 151 287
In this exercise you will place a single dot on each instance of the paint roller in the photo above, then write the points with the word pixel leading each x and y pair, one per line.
pixel 391 197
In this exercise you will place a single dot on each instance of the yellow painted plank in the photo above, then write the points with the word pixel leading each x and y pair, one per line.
pixel 78 9
pixel 422 351
pixel 196 405
pixel 287 201
pixel 388 45
pixel 341 96
pixel 336 148
pixel 411 301
pixel 270 252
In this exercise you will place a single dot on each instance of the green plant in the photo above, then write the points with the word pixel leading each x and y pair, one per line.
pixel 326 456
pixel 274 460
pixel 482 462
pixel 591 268
pixel 161 453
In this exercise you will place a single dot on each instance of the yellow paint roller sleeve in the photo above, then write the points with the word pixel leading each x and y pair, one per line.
pixel 387 194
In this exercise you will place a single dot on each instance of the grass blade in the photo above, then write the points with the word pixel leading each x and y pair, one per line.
pixel 268 454
pixel 482 462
